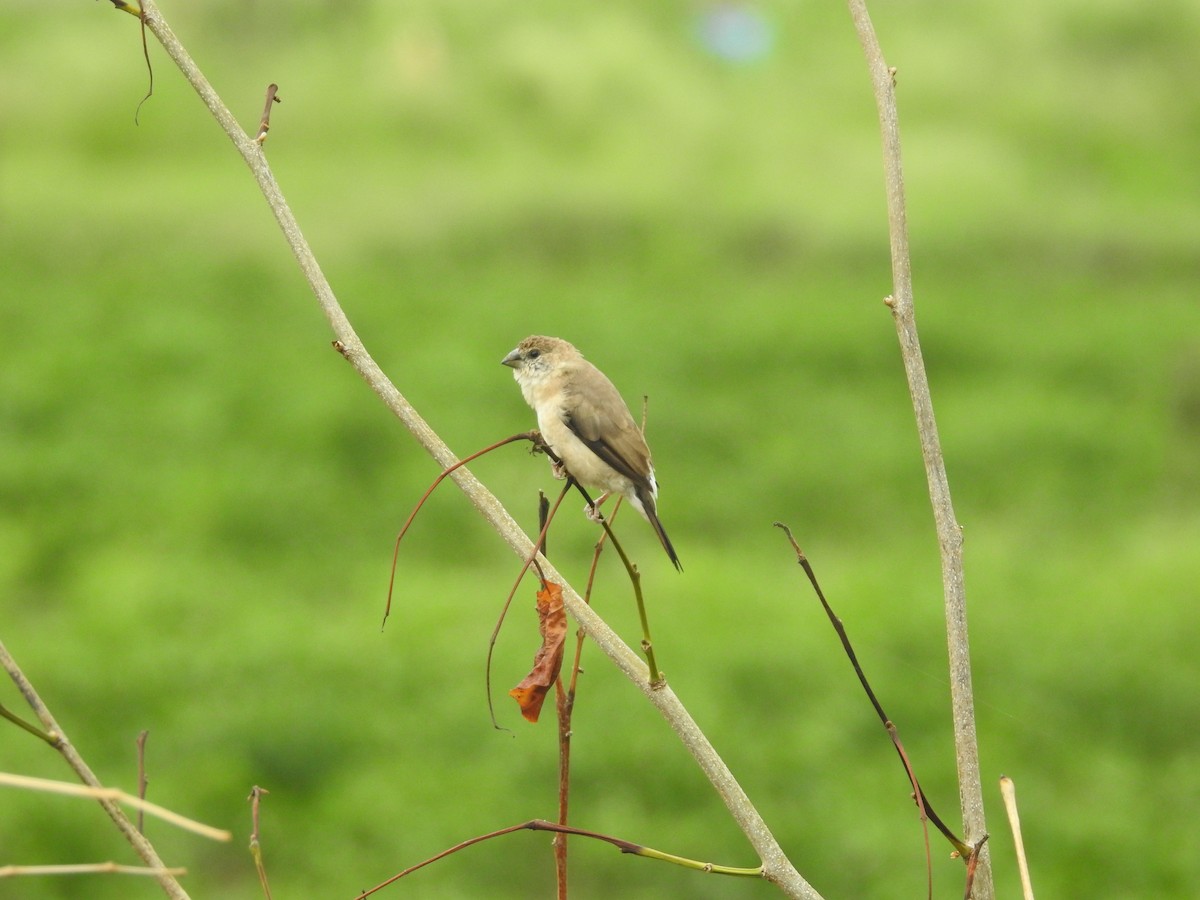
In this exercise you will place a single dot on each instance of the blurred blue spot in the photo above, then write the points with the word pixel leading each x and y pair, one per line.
pixel 736 32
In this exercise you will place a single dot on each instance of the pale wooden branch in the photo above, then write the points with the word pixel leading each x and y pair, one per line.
pixel 141 846
pixel 948 531
pixel 777 868
pixel 1008 792
pixel 103 868
pixel 49 786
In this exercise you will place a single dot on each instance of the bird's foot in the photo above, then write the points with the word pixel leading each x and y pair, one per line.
pixel 592 510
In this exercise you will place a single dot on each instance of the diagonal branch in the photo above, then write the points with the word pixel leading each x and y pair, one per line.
pixel 777 868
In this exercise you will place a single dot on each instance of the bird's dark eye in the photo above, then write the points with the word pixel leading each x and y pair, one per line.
pixel 533 354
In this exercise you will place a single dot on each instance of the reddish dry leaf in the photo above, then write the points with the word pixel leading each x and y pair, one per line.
pixel 552 624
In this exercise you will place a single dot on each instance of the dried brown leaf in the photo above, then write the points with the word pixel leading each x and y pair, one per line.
pixel 552 624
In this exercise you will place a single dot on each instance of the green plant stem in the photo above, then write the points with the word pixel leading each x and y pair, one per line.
pixel 635 578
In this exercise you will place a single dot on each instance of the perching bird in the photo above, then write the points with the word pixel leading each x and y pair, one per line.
pixel 587 425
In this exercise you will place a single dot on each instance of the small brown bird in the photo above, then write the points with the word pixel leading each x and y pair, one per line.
pixel 587 425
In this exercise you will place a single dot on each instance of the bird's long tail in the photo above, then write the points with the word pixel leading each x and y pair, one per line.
pixel 650 511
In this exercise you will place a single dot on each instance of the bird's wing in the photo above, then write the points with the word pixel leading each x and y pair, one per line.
pixel 599 417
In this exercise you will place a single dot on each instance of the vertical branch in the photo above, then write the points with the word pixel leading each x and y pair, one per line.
pixel 948 531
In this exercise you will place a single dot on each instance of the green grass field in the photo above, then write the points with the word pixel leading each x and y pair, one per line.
pixel 199 497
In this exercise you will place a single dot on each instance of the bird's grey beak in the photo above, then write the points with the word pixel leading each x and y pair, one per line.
pixel 512 359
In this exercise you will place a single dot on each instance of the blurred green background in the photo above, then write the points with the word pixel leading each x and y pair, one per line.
pixel 199 497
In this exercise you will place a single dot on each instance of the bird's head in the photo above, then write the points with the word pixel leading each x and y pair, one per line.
pixel 537 356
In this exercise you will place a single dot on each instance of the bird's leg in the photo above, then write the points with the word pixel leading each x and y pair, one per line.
pixel 592 510
pixel 558 469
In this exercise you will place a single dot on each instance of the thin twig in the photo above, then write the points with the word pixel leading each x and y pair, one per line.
pixel 149 68
pixel 124 6
pixel 142 782
pixel 565 694
pixel 264 124
pixel 883 79
pixel 635 578
pixel 923 805
pixel 255 798
pixel 1009 792
pixel 542 825
pixel 51 739
pixel 101 793
pixel 104 868
pixel 445 473
pixel 564 704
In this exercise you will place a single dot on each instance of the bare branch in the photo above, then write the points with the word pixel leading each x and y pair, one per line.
pixel 1009 792
pixel 104 868
pixel 949 533
pixel 264 124
pixel 98 792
